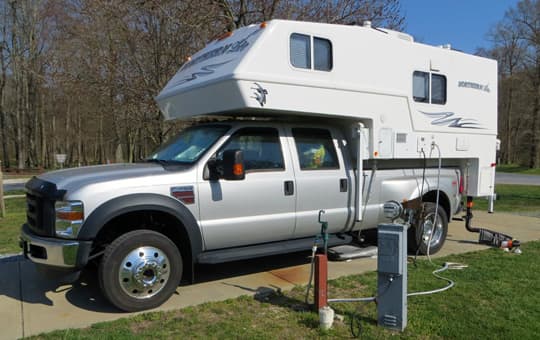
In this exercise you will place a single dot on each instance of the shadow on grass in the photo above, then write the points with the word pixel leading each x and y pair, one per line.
pixel 354 318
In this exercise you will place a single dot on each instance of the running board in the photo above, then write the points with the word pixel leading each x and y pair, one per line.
pixel 267 249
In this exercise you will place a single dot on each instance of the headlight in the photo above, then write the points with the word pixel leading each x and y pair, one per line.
pixel 69 218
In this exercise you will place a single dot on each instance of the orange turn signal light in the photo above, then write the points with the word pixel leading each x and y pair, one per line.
pixel 224 36
pixel 238 169
pixel 470 204
pixel 70 215
pixel 263 24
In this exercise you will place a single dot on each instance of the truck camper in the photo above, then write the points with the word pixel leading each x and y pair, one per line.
pixel 304 117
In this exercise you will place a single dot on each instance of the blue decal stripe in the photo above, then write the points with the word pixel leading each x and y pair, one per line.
pixel 204 71
pixel 448 119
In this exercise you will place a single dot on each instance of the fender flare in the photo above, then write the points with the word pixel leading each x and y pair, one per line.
pixel 136 202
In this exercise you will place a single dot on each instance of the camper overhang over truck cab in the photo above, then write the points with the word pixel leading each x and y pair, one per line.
pixel 299 117
pixel 407 96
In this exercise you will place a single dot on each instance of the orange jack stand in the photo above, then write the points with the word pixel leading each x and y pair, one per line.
pixel 321 281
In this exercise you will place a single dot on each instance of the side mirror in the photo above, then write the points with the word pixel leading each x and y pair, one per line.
pixel 233 165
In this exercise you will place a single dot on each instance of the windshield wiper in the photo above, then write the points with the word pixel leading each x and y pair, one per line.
pixel 166 162
pixel 156 160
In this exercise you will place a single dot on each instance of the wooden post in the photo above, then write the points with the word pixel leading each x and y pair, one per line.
pixel 2 205
pixel 321 281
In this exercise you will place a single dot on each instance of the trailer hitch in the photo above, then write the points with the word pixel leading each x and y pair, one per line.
pixel 486 236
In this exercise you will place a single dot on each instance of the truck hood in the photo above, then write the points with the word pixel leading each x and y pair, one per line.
pixel 79 177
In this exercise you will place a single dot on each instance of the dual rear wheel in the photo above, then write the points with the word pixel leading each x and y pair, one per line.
pixel 428 234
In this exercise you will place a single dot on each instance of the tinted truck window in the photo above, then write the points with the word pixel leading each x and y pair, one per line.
pixel 315 149
pixel 261 148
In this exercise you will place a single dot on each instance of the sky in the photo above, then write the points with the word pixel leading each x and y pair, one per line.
pixel 461 23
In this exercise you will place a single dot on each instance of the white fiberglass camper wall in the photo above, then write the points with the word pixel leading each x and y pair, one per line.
pixel 409 96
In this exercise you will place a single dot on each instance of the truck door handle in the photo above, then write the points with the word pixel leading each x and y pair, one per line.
pixel 343 184
pixel 289 188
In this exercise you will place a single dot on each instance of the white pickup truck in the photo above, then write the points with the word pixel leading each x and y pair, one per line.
pixel 290 137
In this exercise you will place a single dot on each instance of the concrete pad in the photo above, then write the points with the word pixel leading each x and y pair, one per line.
pixel 296 275
pixel 47 307
pixel 352 267
pixel 223 289
pixel 460 240
pixel 11 320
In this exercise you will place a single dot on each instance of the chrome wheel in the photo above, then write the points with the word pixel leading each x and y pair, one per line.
pixel 431 231
pixel 144 272
pixel 426 229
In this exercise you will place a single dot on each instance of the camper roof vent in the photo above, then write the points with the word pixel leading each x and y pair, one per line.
pixel 367 24
pixel 399 35
pixel 446 46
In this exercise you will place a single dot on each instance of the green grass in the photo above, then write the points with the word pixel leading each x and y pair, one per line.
pixel 518 169
pixel 497 297
pixel 10 225
pixel 514 199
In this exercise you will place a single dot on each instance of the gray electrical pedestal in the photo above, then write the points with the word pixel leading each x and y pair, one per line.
pixel 392 276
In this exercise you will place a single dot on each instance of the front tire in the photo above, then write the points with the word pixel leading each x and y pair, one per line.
pixel 425 229
pixel 140 270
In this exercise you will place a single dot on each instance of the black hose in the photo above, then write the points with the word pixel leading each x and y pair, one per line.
pixel 356 325
pixel 488 237
pixel 469 216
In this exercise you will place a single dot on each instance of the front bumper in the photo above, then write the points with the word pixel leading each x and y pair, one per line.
pixel 54 252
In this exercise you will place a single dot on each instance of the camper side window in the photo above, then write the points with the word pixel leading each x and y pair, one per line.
pixel 300 46
pixel 322 54
pixel 421 87
pixel 301 52
pixel 423 93
pixel 438 89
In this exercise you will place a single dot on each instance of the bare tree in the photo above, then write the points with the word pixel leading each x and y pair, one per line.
pixel 508 50
pixel 3 78
pixel 80 76
pixel 526 17
pixel 516 46
pixel 237 13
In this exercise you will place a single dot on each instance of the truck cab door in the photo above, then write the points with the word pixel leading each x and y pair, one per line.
pixel 259 208
pixel 324 180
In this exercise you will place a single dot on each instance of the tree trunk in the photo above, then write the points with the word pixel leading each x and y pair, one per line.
pixel 42 133
pixel 508 138
pixel 53 140
pixel 101 143
pixel 533 150
pixel 18 126
pixel 67 132
pixel 79 139
pixel 3 130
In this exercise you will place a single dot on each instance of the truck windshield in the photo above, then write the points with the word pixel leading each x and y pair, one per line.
pixel 189 145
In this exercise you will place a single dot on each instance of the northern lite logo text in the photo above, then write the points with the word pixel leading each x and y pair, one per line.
pixel 476 86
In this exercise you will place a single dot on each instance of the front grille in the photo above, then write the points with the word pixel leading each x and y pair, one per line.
pixel 32 208
pixel 40 215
